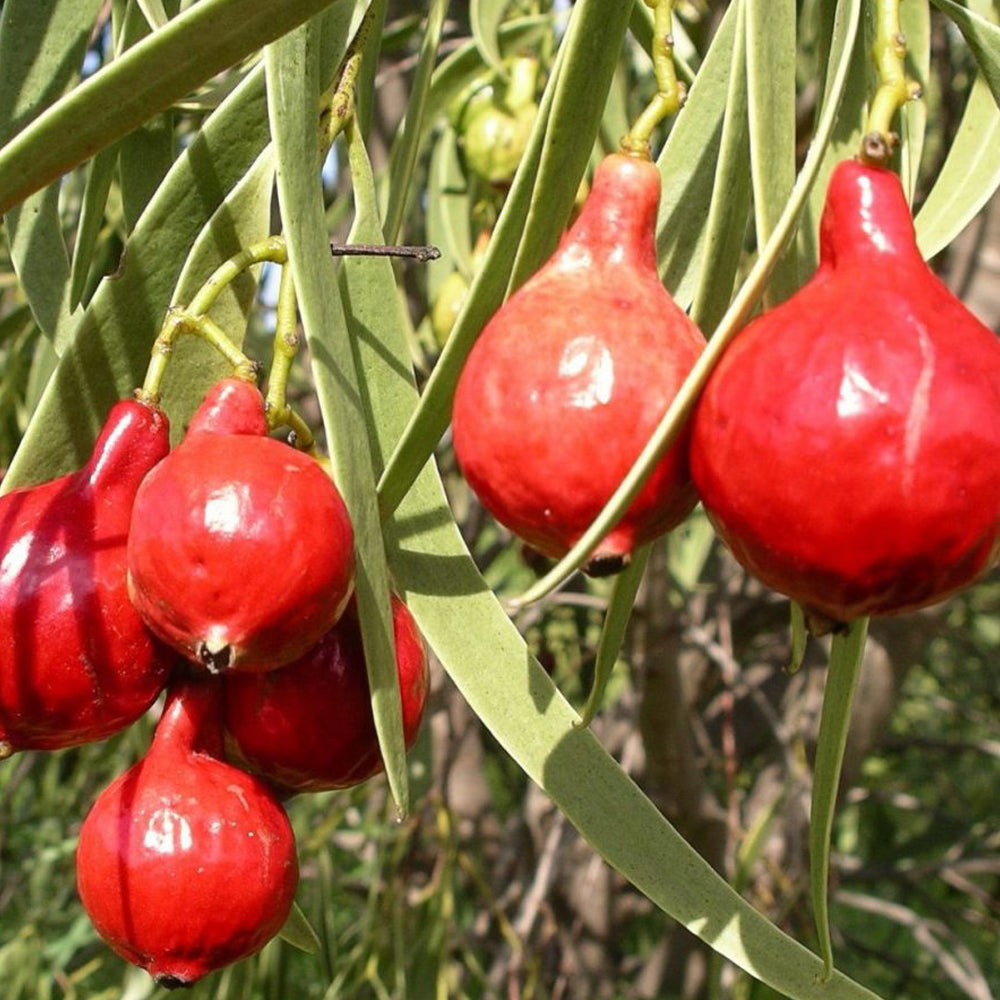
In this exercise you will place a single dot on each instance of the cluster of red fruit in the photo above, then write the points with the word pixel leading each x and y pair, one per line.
pixel 847 446
pixel 236 552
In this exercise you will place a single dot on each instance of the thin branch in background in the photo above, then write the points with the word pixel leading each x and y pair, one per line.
pixel 955 961
pixel 418 253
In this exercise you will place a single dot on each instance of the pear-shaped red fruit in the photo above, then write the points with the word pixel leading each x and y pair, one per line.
pixel 309 726
pixel 847 447
pixel 570 377
pixel 76 662
pixel 186 863
pixel 241 554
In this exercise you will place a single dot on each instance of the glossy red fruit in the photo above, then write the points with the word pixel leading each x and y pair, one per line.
pixel 309 726
pixel 76 662
pixel 241 553
pixel 186 863
pixel 847 447
pixel 571 375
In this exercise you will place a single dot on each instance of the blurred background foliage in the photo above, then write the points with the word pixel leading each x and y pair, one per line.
pixel 485 890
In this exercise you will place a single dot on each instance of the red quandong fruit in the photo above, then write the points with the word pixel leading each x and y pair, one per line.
pixel 568 380
pixel 186 863
pixel 309 726
pixel 847 447
pixel 241 553
pixel 76 661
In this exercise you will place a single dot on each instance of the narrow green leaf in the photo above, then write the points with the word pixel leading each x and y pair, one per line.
pixel 915 21
pixel 243 218
pixel 486 16
pixel 589 52
pixel 153 12
pixel 616 620
pixel 194 46
pixel 749 293
pixel 365 91
pixel 730 205
pixel 299 933
pixel 799 637
pixel 687 167
pixel 983 39
pixel 145 155
pixel 41 52
pixel 449 205
pixel 688 548
pixel 845 140
pixel 969 177
pixel 406 145
pixel 144 158
pixel 846 654
pixel 293 94
pixel 110 348
pixel 100 172
pixel 487 659
pixel 771 51
pixel 615 119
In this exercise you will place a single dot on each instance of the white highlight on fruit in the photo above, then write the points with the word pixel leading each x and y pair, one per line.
pixel 588 360
pixel 917 416
pixel 222 511
pixel 857 394
pixel 15 558
pixel 869 223
pixel 167 832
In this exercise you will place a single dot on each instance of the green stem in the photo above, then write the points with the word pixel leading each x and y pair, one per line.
pixel 846 653
pixel 286 343
pixel 338 103
pixel 670 92
pixel 894 89
pixel 178 321
pixel 272 249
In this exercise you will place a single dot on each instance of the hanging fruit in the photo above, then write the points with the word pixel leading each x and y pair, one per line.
pixel 76 661
pixel 309 726
pixel 846 446
pixel 496 123
pixel 185 863
pixel 570 377
pixel 240 554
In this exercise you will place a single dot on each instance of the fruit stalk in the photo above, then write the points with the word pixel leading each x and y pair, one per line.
pixel 894 89
pixel 338 102
pixel 179 320
pixel 670 92
pixel 286 343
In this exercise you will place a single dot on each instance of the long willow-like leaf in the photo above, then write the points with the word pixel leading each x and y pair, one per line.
pixel 149 77
pixel 846 653
pixel 751 290
pixel 293 96
pixel 111 342
pixel 507 688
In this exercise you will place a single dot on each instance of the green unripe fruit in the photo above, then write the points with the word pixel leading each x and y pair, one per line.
pixel 447 304
pixel 495 140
